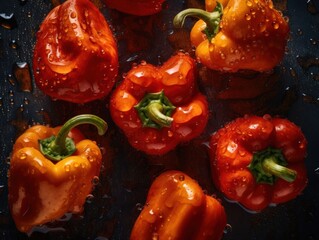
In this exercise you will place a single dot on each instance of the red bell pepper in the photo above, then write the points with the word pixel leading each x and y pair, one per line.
pixel 75 56
pixel 257 161
pixel 177 208
pixel 137 7
pixel 159 107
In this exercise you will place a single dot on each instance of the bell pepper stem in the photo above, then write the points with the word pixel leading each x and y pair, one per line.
pixel 155 110
pixel 212 19
pixel 270 166
pixel 60 146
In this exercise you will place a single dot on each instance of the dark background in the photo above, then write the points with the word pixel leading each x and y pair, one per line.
pixel 291 91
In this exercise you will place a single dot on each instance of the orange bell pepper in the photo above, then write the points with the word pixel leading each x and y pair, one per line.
pixel 238 34
pixel 50 175
pixel 177 208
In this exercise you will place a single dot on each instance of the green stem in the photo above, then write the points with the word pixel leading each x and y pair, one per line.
pixel 212 19
pixel 59 147
pixel 155 111
pixel 270 166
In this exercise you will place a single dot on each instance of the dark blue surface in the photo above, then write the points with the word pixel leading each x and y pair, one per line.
pixel 127 174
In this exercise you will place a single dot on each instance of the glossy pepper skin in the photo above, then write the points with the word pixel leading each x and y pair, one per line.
pixel 238 35
pixel 137 7
pixel 258 161
pixel 176 208
pixel 42 189
pixel 75 56
pixel 159 107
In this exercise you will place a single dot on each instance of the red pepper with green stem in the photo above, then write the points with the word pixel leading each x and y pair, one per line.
pixel 50 173
pixel 159 107
pixel 258 161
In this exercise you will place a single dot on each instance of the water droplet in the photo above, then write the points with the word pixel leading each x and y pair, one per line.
pixel 311 7
pixel 83 26
pixel 242 152
pixel 249 3
pixel 91 158
pixel 13 44
pixel 313 41
pixel 286 18
pixel 67 168
pixel 143 62
pixel 170 133
pixel 181 177
pixel 247 16
pixel 11 79
pixel 155 236
pixel 22 156
pixel 139 206
pixel 95 180
pixel 317 171
pixel 22 74
pixel 299 31
pixel 8 21
pixel 73 15
pixel 275 25
pixel 292 72
pixel 92 39
pixel 228 228
pixel 89 198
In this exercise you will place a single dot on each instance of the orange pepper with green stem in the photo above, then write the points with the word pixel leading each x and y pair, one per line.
pixel 51 171
pixel 238 35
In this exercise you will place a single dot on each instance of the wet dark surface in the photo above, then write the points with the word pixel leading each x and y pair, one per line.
pixel 291 91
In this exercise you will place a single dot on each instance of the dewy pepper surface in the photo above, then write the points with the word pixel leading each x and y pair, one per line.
pixel 177 208
pixel 75 56
pixel 159 107
pixel 237 35
pixel 51 174
pixel 258 161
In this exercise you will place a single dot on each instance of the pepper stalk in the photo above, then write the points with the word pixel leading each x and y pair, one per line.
pixel 155 110
pixel 212 19
pixel 60 146
pixel 270 164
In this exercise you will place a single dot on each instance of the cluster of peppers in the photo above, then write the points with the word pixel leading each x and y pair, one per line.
pixel 254 160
